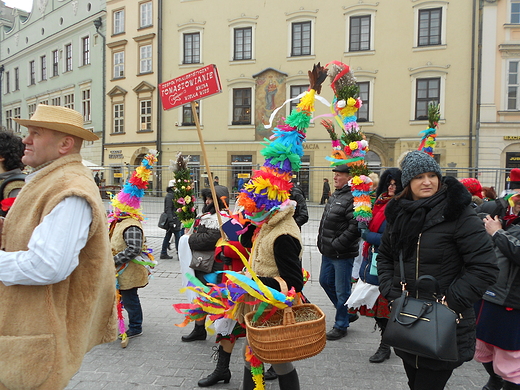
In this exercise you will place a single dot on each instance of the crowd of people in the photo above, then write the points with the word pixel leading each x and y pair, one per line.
pixel 62 272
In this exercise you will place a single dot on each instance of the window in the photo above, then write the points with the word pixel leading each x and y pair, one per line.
pixel 146 115
pixel 56 101
pixel 85 105
pixel 68 58
pixel 7 79
pixel 191 48
pixel 85 48
pixel 241 106
pixel 119 64
pixel 146 14
pixel 515 11
pixel 427 91
pixel 364 94
pixel 512 86
pixel 68 101
pixel 359 33
pixel 295 91
pixel 43 65
pixel 430 26
pixel 119 118
pixel 17 116
pixel 46 102
pixel 187 114
pixel 119 21
pixel 31 108
pixel 301 39
pixel 32 73
pixel 145 58
pixel 55 62
pixel 16 79
pixel 9 119
pixel 243 43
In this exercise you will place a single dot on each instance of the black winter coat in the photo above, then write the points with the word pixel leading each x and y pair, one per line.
pixel 173 220
pixel 454 248
pixel 338 235
pixel 301 215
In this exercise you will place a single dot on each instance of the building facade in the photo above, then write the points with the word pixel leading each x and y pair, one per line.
pixel 499 130
pixel 54 55
pixel 404 55
pixel 132 77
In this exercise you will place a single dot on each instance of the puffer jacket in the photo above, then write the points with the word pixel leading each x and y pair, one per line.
pixel 506 291
pixel 338 235
pixel 454 248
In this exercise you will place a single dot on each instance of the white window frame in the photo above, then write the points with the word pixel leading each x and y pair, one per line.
pixel 118 123
pixel 251 115
pixel 68 100
pixel 7 82
pixel 55 63
pixel 16 79
pixel 239 24
pixel 9 119
pixel 56 101
pixel 357 13
pixel 182 118
pixel 43 67
pixel 311 38
pixel 184 34
pixel 86 104
pixel 85 50
pixel 145 117
pixel 118 18
pixel 145 58
pixel 370 98
pixel 17 114
pixel 31 107
pixel 507 85
pixel 425 74
pixel 510 11
pixel 68 57
pixel 119 64
pixel 32 72
pixel 145 14
pixel 190 28
pixel 444 16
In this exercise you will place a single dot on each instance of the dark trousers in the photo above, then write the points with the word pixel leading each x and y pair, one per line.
pixel 132 305
pixel 324 198
pixel 166 240
pixel 425 379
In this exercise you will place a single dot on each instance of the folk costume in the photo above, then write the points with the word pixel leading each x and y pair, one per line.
pixel 132 259
pixel 48 327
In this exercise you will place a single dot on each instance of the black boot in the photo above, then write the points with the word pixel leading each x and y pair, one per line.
pixel 289 381
pixel 495 382
pixel 382 353
pixel 198 333
pixel 221 372
pixel 510 386
pixel 270 374
pixel 249 383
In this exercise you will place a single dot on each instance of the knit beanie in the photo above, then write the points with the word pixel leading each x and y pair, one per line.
pixel 473 186
pixel 415 163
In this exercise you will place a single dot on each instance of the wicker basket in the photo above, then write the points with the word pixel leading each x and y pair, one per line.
pixel 288 342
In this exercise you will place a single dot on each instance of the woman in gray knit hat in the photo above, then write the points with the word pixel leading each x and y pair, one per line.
pixel 432 225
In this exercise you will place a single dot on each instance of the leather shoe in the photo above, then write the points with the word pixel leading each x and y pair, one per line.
pixel 270 374
pixel 353 318
pixel 336 334
pixel 166 257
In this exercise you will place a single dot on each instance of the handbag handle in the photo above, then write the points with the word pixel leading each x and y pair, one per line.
pixel 408 320
pixel 288 314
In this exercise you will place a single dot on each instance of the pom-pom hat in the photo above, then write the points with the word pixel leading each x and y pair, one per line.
pixel 473 186
pixel 60 119
pixel 416 163
pixel 514 175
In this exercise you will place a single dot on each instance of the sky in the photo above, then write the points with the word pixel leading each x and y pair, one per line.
pixel 26 5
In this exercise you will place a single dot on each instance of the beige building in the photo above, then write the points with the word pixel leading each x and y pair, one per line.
pixel 499 132
pixel 404 53
pixel 132 47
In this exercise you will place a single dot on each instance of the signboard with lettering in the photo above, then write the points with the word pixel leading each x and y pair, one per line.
pixel 192 86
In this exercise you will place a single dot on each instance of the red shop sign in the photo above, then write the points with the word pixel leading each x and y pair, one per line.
pixel 192 86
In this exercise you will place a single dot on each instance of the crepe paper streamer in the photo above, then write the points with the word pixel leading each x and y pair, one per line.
pixel 257 368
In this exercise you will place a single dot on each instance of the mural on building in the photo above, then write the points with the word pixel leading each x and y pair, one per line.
pixel 270 94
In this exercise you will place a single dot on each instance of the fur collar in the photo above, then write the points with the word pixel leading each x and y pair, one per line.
pixel 457 199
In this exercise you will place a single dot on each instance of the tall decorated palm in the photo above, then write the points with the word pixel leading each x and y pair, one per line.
pixel 184 197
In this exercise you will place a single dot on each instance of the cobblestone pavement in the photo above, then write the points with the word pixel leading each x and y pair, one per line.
pixel 159 360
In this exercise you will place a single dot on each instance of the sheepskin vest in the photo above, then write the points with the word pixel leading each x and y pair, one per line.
pixel 133 275
pixel 262 258
pixel 46 330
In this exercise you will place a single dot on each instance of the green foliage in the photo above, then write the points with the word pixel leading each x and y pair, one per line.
pixel 348 91
pixel 184 189
pixel 434 114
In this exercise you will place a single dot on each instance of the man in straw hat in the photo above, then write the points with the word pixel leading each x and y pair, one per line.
pixel 57 295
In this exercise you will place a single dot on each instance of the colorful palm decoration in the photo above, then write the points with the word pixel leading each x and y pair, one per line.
pixel 184 198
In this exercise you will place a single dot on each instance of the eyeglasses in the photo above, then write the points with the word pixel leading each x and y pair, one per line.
pixel 392 185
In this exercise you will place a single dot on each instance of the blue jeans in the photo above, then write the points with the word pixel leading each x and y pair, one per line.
pixel 166 240
pixel 335 279
pixel 132 306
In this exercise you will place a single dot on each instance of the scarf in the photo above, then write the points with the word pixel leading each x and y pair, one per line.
pixel 378 217
pixel 410 221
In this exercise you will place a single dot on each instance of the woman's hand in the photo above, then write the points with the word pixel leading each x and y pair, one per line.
pixel 492 225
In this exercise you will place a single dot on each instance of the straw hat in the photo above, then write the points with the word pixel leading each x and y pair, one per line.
pixel 60 119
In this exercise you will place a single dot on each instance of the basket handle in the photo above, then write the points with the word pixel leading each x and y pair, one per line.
pixel 288 314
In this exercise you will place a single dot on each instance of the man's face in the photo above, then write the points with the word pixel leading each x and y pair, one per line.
pixel 340 179
pixel 41 146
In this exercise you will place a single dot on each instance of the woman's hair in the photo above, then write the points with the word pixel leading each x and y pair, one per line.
pixel 406 193
pixel 375 179
pixel 11 149
pixel 489 192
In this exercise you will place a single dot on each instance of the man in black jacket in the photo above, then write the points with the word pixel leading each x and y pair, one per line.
pixel 338 239
pixel 301 215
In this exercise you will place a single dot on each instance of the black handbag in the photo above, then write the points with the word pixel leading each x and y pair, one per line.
pixel 422 327
pixel 202 260
pixel 163 221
